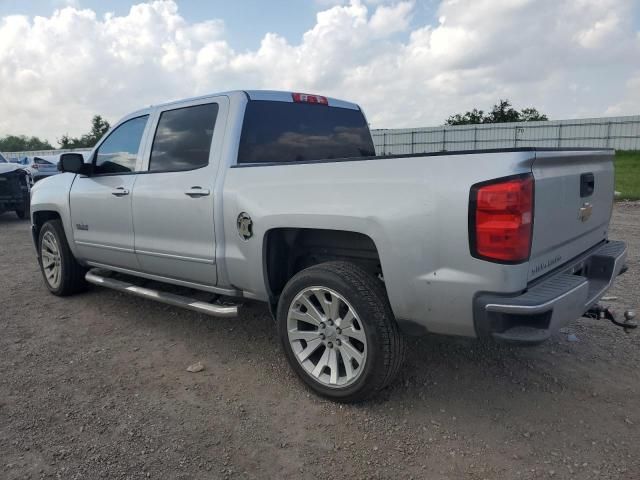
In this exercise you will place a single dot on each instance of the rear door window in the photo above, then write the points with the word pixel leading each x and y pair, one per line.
pixel 183 138
pixel 276 132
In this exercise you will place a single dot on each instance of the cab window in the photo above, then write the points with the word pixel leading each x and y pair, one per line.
pixel 118 153
pixel 277 132
pixel 183 138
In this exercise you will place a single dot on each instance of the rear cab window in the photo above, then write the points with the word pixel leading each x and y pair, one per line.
pixel 183 138
pixel 286 132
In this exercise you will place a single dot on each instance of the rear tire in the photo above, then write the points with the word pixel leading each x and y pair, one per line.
pixel 62 274
pixel 24 212
pixel 338 331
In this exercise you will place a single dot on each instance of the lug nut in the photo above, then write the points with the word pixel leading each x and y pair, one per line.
pixel 322 325
pixel 322 336
pixel 338 330
pixel 330 345
pixel 338 342
pixel 330 322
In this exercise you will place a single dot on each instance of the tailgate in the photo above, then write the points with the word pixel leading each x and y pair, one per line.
pixel 573 202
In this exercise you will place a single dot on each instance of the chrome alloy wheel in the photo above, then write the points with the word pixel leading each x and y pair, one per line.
pixel 51 261
pixel 327 336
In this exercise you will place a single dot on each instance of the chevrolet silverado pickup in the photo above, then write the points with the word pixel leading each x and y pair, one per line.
pixel 279 197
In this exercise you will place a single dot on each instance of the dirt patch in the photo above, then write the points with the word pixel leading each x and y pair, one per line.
pixel 96 386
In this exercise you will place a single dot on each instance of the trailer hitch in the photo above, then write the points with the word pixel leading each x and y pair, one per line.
pixel 605 313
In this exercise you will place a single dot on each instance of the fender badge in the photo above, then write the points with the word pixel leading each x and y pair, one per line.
pixel 245 226
pixel 585 211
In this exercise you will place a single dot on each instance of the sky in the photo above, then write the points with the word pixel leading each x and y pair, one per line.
pixel 408 63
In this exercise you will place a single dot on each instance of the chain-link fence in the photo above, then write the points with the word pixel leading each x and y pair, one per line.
pixel 621 133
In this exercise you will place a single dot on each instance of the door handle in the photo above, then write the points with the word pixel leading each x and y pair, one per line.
pixel 194 192
pixel 587 184
pixel 120 192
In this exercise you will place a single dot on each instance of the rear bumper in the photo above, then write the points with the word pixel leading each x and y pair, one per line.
pixel 552 301
pixel 11 202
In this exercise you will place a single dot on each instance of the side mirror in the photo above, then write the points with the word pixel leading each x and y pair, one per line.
pixel 73 163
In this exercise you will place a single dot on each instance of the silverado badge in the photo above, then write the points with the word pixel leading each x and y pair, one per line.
pixel 585 211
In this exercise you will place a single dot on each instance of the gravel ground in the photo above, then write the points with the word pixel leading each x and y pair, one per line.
pixel 95 386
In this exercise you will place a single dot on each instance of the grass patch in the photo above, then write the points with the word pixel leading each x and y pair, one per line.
pixel 628 174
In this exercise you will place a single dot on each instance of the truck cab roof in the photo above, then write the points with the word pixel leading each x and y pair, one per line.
pixel 269 95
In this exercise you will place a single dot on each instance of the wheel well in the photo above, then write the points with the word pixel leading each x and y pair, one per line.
pixel 286 251
pixel 40 218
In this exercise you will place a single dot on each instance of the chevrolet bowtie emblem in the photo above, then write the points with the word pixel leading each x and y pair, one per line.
pixel 585 211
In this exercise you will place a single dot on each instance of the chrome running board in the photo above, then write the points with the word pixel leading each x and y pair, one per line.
pixel 224 311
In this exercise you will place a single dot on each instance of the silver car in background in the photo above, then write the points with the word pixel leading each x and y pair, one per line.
pixel 40 167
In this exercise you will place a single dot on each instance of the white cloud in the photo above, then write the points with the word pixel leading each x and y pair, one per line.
pixel 574 58
pixel 391 19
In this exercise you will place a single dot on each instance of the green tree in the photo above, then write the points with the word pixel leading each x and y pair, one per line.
pixel 501 112
pixel 99 126
pixel 532 115
pixel 19 143
pixel 468 118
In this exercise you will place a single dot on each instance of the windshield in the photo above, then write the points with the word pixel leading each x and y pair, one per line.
pixel 275 132
pixel 41 161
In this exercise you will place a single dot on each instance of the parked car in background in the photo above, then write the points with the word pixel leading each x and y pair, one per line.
pixel 41 167
pixel 14 188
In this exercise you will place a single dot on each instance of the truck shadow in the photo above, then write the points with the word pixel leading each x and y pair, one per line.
pixel 436 367
pixel 449 388
pixel 441 372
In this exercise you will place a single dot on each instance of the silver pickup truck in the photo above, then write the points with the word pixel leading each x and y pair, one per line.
pixel 279 197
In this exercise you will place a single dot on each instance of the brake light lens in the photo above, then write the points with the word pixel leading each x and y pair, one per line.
pixel 306 98
pixel 501 219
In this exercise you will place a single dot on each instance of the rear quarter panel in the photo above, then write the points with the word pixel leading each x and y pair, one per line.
pixel 415 209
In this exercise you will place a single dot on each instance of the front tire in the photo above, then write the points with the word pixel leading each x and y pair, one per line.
pixel 338 331
pixel 62 274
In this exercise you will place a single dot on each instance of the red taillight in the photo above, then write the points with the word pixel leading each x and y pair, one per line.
pixel 306 98
pixel 501 219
